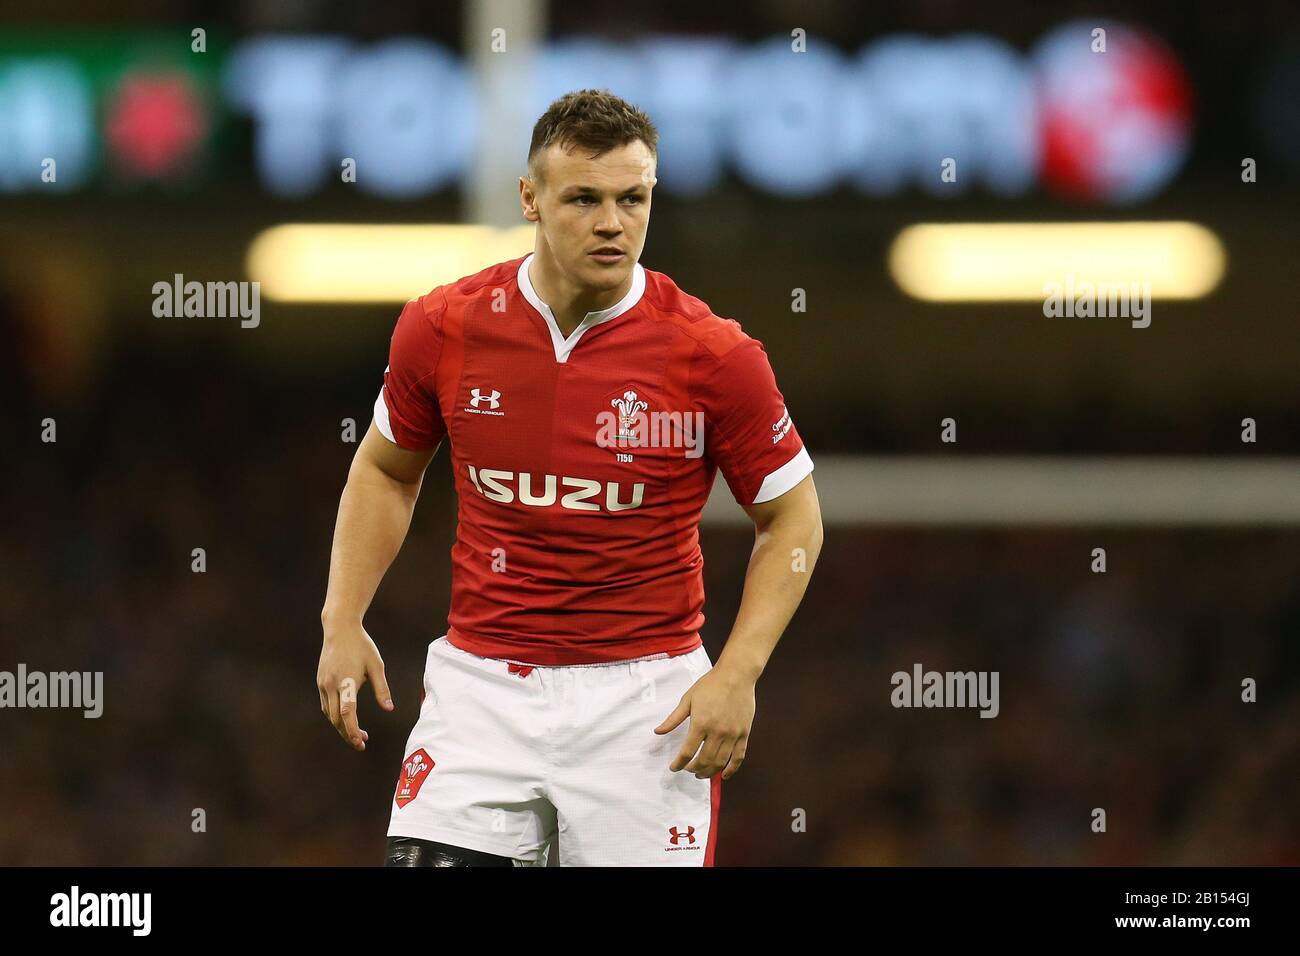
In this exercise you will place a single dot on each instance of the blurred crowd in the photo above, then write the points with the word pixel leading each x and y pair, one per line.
pixel 1120 691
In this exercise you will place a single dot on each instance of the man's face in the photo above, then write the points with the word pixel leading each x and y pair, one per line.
pixel 593 212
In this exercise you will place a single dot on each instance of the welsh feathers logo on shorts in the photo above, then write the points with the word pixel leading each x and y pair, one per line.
pixel 414 769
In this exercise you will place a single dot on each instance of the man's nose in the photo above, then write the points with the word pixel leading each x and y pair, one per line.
pixel 609 224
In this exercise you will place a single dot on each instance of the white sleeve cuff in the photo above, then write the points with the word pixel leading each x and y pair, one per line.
pixel 381 418
pixel 786 477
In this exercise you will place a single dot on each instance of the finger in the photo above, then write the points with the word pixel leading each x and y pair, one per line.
pixel 332 709
pixel 349 729
pixel 737 758
pixel 680 713
pixel 692 744
pixel 711 756
pixel 383 696
pixel 348 712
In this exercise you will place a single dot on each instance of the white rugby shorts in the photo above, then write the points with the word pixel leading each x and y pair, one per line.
pixel 505 757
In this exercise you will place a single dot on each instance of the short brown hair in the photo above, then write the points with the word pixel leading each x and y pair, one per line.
pixel 594 120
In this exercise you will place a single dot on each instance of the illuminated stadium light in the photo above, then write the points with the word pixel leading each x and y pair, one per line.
pixel 984 262
pixel 337 262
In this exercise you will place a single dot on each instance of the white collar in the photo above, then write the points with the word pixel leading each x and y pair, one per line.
pixel 562 345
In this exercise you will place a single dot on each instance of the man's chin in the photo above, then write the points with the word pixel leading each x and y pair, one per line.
pixel 606 277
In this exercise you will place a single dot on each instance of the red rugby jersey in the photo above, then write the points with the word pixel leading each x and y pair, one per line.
pixel 582 464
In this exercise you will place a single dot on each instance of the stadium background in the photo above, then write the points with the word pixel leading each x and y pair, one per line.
pixel 1118 690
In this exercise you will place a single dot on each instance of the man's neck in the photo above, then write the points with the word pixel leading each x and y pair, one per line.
pixel 569 303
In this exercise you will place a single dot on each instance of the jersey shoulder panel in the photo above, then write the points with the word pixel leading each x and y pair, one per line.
pixel 714 334
pixel 449 299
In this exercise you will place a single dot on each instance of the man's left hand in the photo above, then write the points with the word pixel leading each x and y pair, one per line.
pixel 721 708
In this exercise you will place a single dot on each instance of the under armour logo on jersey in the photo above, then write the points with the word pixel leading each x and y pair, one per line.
pixel 493 400
pixel 676 835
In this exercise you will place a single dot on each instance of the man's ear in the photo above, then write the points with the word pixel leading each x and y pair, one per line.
pixel 528 199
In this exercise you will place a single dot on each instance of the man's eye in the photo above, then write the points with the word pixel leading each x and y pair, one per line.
pixel 582 199
pixel 632 199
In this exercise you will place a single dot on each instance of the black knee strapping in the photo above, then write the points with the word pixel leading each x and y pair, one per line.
pixel 408 851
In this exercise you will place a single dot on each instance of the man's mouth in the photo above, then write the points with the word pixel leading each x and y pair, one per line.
pixel 607 254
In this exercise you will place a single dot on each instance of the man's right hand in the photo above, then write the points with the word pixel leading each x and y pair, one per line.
pixel 374 515
pixel 347 659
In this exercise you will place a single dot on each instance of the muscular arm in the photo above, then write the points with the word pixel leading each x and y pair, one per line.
pixel 787 541
pixel 374 516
